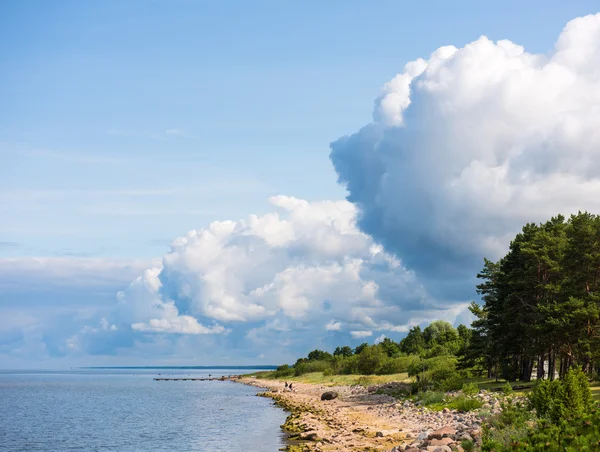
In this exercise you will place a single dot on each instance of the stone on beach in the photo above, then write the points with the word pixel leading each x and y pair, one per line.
pixel 329 395
pixel 442 433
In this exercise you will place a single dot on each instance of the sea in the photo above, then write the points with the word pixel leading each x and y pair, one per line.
pixel 126 410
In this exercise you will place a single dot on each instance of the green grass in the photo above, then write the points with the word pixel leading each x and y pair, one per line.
pixel 596 391
pixel 339 380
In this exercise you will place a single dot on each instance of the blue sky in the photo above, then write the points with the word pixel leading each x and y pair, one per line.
pixel 126 124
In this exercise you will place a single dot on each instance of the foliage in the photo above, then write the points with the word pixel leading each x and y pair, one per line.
pixel 507 389
pixel 541 302
pixel 370 359
pixel 465 403
pixel 389 347
pixel 344 351
pixel 567 398
pixel 358 350
pixel 428 398
pixel 311 366
pixel 470 389
pixel 414 342
pixel 567 419
pixel 319 355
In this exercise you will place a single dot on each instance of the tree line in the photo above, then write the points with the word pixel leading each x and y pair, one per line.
pixel 540 311
pixel 541 305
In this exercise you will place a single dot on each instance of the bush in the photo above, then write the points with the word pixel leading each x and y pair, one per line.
pixel 567 398
pixel 431 397
pixel 349 365
pixel 568 419
pixel 464 403
pixel 282 372
pixel 504 429
pixel 311 366
pixel 507 389
pixel 396 365
pixel 370 359
pixel 513 434
pixel 470 389
pixel 452 383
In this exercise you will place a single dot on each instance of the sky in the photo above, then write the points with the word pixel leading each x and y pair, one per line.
pixel 200 183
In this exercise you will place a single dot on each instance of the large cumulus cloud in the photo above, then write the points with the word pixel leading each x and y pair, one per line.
pixel 287 278
pixel 468 145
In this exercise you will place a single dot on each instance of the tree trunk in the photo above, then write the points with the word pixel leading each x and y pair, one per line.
pixel 540 367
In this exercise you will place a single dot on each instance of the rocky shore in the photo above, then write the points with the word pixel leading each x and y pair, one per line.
pixel 355 418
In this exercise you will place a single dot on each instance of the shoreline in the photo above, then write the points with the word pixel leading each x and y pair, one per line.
pixel 332 425
pixel 360 419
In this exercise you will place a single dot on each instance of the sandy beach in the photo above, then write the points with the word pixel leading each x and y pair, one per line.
pixel 359 419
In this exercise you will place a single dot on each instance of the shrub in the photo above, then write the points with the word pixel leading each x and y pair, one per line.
pixel 431 397
pixel 505 429
pixel 464 403
pixel 507 389
pixel 396 365
pixel 370 359
pixel 567 398
pixel 349 365
pixel 311 366
pixel 283 371
pixel 452 383
pixel 470 389
pixel 468 445
pixel 576 434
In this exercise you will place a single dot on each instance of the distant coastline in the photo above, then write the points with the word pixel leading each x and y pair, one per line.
pixel 183 367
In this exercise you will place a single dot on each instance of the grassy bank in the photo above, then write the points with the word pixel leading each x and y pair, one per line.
pixel 336 380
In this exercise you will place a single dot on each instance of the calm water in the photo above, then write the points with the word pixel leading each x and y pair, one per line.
pixel 125 410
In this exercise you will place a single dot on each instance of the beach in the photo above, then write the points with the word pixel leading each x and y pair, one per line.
pixel 361 419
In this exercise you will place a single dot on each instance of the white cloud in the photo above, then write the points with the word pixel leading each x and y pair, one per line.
pixel 31 272
pixel 184 324
pixel 379 339
pixel 280 273
pixel 472 143
pixel 361 334
pixel 333 326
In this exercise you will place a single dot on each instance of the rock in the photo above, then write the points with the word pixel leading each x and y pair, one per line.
pixel 441 442
pixel 422 436
pixel 379 435
pixel 464 437
pixel 329 395
pixel 309 436
pixel 412 449
pixel 442 432
pixel 438 449
pixel 457 448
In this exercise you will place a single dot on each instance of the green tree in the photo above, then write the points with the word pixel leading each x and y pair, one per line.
pixel 414 342
pixel 358 350
pixel 389 347
pixel 344 351
pixel 319 355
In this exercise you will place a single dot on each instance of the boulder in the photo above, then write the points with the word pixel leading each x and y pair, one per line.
pixel 329 395
pixel 441 442
pixel 442 433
